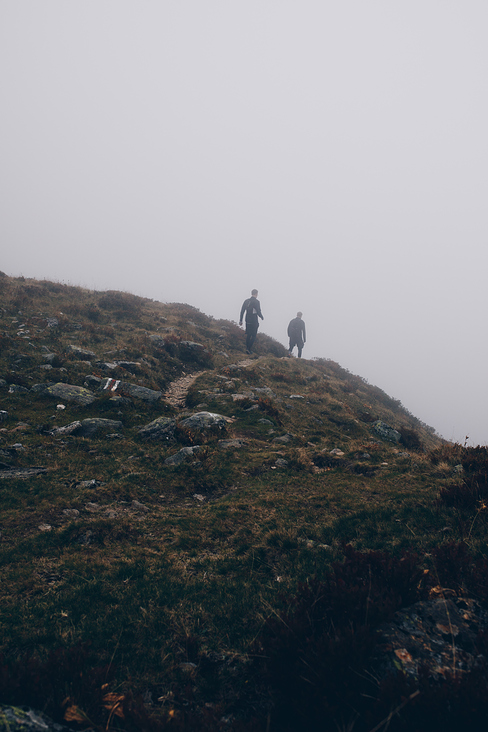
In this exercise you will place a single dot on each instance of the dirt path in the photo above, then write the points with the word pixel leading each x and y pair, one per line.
pixel 177 391
pixel 176 394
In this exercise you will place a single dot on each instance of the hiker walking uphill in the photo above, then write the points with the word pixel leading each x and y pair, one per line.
pixel 252 308
pixel 296 334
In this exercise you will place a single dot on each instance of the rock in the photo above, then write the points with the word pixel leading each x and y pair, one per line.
pixel 39 388
pixel 205 420
pixel 139 506
pixel 21 472
pixel 17 389
pixel 71 512
pixel 296 396
pixel 23 719
pixel 125 388
pixel 93 483
pixel 336 452
pixel 3 415
pixel 92 381
pixel 71 393
pixel 285 439
pixel 161 428
pixel 281 462
pixel 439 635
pixel 67 429
pixel 90 427
pixel 182 455
pixel 224 444
pixel 82 353
pixel 386 432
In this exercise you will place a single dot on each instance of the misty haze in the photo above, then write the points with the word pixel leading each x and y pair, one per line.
pixel 331 155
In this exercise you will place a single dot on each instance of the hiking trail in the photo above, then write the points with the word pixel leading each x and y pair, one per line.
pixel 177 390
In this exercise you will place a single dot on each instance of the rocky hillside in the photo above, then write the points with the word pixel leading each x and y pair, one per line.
pixel 166 498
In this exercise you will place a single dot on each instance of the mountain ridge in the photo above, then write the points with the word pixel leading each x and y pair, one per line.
pixel 172 496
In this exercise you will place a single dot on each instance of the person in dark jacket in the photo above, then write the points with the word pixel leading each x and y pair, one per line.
pixel 252 308
pixel 296 334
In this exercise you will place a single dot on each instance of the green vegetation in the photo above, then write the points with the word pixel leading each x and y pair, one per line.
pixel 141 595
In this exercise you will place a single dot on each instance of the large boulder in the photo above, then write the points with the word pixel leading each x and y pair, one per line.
pixel 88 427
pixel 386 432
pixel 205 420
pixel 161 428
pixel 71 393
pixel 125 388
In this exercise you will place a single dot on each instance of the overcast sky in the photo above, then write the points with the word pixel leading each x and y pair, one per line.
pixel 331 153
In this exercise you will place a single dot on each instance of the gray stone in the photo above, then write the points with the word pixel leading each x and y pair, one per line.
pixel 17 389
pixel 23 719
pixel 285 439
pixel 39 388
pixel 82 353
pixel 161 428
pixel 205 420
pixel 439 636
pixel 138 506
pixel 71 393
pixel 67 429
pixel 281 462
pixel 224 444
pixel 90 427
pixel 386 432
pixel 184 454
pixel 92 381
pixel 22 472
pixel 125 388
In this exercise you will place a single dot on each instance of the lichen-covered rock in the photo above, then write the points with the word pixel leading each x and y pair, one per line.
pixel 71 393
pixel 386 432
pixel 162 428
pixel 439 636
pixel 23 719
pixel 205 420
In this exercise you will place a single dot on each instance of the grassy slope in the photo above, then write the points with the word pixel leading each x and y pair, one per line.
pixel 216 541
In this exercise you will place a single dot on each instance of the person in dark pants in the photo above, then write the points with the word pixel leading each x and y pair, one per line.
pixel 296 334
pixel 252 308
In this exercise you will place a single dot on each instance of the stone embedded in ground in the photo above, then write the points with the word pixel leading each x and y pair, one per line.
pixel 71 393
pixel 82 353
pixel 237 443
pixel 162 428
pixel 125 388
pixel 184 454
pixel 205 420
pixel 90 427
pixel 386 432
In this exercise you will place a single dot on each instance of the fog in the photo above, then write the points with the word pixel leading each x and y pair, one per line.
pixel 331 154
